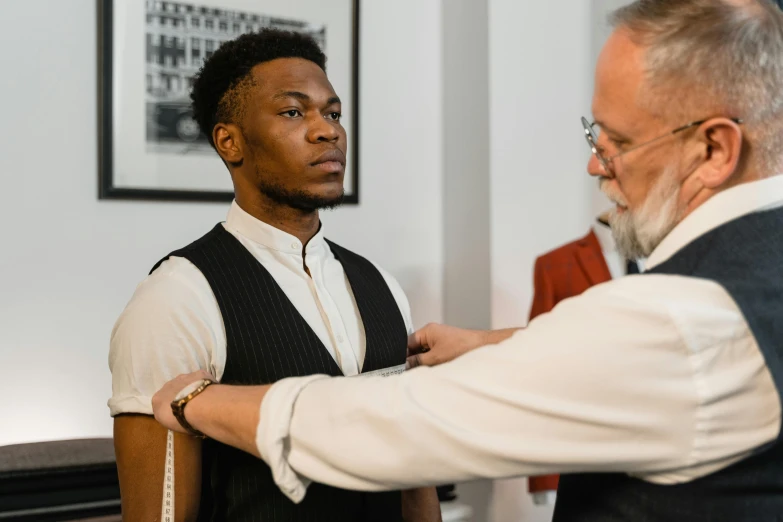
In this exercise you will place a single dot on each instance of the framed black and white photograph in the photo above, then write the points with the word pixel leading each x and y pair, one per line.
pixel 150 51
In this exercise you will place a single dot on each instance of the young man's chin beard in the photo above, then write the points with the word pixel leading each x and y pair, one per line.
pixel 297 199
pixel 300 199
pixel 637 233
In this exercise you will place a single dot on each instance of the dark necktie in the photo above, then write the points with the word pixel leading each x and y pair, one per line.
pixel 631 267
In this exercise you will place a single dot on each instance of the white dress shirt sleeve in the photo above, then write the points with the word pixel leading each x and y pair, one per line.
pixel 172 325
pixel 657 376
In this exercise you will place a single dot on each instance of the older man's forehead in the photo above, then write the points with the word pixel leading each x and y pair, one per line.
pixel 621 62
pixel 618 79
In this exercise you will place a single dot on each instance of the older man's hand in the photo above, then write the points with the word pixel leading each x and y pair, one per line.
pixel 161 401
pixel 438 343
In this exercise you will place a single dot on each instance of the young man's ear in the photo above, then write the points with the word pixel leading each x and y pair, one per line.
pixel 228 142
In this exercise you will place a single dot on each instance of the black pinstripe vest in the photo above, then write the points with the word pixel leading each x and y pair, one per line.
pixel 268 340
pixel 745 257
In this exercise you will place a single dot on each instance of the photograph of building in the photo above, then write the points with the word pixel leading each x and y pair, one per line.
pixel 179 37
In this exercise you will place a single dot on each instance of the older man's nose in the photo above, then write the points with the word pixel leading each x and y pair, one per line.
pixel 596 168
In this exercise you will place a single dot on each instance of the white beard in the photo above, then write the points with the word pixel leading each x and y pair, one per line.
pixel 638 233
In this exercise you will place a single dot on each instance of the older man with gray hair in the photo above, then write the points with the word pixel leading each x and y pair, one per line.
pixel 659 393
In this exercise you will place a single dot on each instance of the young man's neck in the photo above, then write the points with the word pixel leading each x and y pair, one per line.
pixel 299 223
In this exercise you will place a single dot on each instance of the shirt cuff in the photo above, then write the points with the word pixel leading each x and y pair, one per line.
pixel 274 426
pixel 130 404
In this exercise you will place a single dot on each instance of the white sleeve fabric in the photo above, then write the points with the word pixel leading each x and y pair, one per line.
pixel 172 325
pixel 272 441
pixel 656 376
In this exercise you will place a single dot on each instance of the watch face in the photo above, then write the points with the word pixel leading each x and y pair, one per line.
pixel 187 390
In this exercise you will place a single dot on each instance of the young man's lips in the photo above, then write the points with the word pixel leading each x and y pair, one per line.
pixel 330 156
pixel 330 166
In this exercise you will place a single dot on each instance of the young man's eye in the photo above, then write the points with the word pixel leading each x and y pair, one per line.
pixel 293 113
pixel 336 116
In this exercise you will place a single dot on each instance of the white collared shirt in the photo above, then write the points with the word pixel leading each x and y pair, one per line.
pixel 172 324
pixel 656 375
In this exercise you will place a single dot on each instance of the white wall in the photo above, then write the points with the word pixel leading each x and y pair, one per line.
pixel 539 65
pixel 467 289
pixel 467 282
pixel 69 263
pixel 540 78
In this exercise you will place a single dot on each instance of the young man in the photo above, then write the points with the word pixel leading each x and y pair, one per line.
pixel 261 297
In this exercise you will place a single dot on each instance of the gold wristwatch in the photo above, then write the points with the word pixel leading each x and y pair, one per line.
pixel 185 396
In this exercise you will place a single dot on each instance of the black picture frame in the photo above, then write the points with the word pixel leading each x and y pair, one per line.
pixel 107 188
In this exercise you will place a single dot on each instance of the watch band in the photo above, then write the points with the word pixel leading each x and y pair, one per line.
pixel 178 408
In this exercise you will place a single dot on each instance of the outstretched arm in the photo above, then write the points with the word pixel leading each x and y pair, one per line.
pixel 230 413
pixel 615 389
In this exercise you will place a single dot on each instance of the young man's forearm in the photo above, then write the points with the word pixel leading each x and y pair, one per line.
pixel 421 505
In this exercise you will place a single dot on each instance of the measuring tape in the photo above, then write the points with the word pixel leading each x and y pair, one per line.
pixel 384 372
pixel 167 508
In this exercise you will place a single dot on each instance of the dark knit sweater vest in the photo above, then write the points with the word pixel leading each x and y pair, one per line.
pixel 268 340
pixel 744 256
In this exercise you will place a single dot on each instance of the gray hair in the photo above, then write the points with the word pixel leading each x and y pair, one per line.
pixel 723 57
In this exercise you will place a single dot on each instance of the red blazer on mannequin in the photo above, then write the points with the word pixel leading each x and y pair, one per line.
pixel 562 273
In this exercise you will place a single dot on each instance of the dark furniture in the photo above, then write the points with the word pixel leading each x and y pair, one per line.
pixel 60 480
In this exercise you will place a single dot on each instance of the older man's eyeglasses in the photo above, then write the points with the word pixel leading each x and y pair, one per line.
pixel 591 134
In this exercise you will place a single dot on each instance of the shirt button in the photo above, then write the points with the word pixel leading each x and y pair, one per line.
pixel 339 338
pixel 295 246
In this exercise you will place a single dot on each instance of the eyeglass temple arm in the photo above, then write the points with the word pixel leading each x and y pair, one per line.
pixel 695 123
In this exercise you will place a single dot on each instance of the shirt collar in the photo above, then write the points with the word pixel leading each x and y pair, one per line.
pixel 726 206
pixel 264 234
pixel 604 235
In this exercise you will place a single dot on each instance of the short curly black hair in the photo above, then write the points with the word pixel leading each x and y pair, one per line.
pixel 220 86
